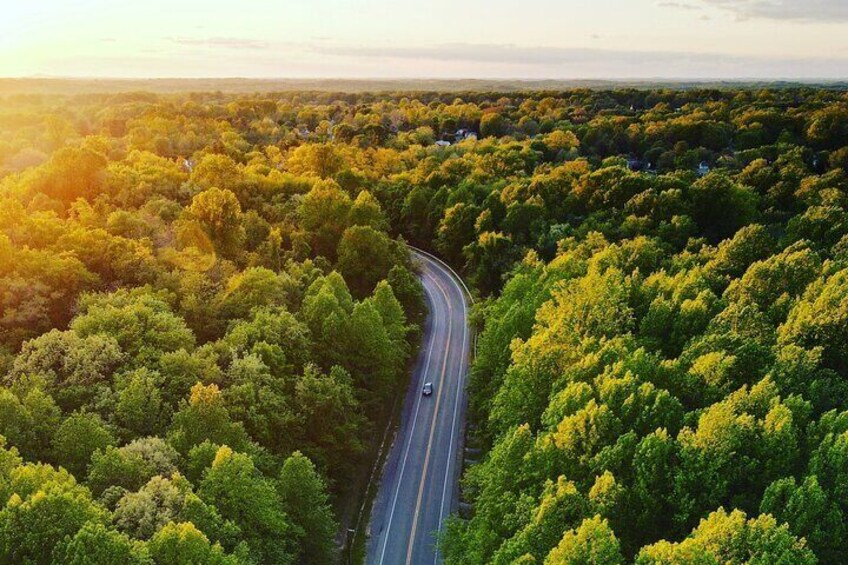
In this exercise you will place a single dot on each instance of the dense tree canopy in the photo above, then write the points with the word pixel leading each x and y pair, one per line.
pixel 196 341
pixel 207 307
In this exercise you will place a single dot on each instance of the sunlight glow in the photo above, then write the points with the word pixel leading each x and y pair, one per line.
pixel 379 38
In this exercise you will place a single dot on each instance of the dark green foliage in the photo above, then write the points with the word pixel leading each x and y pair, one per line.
pixel 810 513
pixel 78 438
pixel 365 257
pixel 304 496
pixel 234 486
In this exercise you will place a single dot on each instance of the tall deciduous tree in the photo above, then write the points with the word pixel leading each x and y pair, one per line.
pixel 219 212
pixel 234 486
pixel 304 496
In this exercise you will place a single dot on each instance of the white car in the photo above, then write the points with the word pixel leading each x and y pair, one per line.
pixel 428 389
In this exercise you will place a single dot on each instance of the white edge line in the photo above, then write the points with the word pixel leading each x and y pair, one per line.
pixel 445 267
pixel 448 269
pixel 460 385
pixel 434 276
pixel 453 277
pixel 408 444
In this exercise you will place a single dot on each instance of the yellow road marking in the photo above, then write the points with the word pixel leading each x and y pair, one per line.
pixel 431 344
pixel 432 425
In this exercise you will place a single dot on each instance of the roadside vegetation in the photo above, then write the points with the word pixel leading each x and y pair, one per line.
pixel 198 350
pixel 206 307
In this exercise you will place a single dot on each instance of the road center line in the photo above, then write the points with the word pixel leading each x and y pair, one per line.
pixel 411 435
pixel 415 516
pixel 460 387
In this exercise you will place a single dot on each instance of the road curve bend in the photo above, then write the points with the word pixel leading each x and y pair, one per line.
pixel 419 483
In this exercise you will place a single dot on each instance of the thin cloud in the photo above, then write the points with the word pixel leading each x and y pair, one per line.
pixel 680 6
pixel 256 58
pixel 221 42
pixel 513 54
pixel 827 11
pixel 573 62
pixel 481 53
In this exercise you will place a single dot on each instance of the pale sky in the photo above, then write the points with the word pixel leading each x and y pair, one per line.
pixel 534 39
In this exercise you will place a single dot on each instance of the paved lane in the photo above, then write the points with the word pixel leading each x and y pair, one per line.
pixel 418 489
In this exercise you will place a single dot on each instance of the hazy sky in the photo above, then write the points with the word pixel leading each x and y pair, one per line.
pixel 437 38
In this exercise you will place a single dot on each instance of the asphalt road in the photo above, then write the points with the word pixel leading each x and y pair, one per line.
pixel 419 484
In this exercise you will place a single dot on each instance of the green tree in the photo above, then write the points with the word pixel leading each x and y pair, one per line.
pixel 820 319
pixel 234 486
pixel 592 543
pixel 493 124
pixel 15 421
pixel 365 258
pixel 322 160
pixel 181 370
pixel 366 211
pixel 78 438
pixel 560 506
pixel 94 544
pixel 132 465
pixel 140 408
pixel 38 291
pixel 371 355
pixel 216 170
pixel 256 287
pixel 113 467
pixel 324 215
pixel 274 328
pixel 219 212
pixel 139 320
pixel 810 513
pixel 203 417
pixel 497 484
pixel 456 230
pixel 721 206
pixel 183 544
pixel 730 538
pixel 409 292
pixel 260 401
pixel 304 496
pixel 162 500
pixel 72 366
pixel 333 421
pixel 31 528
pixel 71 173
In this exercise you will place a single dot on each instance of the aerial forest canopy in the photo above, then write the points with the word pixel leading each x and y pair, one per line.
pixel 207 308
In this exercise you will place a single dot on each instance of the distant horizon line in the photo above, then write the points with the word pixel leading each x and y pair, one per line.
pixel 80 85
pixel 433 78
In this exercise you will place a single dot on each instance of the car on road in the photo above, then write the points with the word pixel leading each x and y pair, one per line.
pixel 428 389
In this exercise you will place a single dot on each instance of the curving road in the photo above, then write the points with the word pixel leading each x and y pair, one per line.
pixel 418 489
